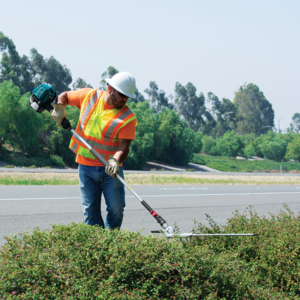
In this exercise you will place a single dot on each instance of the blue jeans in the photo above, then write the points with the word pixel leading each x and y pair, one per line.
pixel 92 182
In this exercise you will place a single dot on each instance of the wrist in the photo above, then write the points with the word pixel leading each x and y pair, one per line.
pixel 114 159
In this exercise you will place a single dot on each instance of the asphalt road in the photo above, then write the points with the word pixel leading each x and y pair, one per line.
pixel 22 208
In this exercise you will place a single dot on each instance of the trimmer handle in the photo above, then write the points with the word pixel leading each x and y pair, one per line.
pixel 66 124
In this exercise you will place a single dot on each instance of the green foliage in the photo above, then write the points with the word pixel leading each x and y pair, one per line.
pixel 26 73
pixel 296 122
pixel 24 135
pixel 225 113
pixel 190 106
pixel 50 71
pixel 208 143
pixel 293 149
pixel 254 112
pixel 225 164
pixel 162 137
pixel 178 138
pixel 198 142
pixel 9 109
pixel 274 149
pixel 57 161
pixel 18 160
pixel 229 144
pixel 80 84
pixel 158 98
pixel 249 151
pixel 86 262
pixel 141 147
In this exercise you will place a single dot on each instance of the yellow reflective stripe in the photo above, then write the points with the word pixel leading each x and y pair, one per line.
pixel 85 152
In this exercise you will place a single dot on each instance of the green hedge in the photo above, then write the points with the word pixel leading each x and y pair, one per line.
pixel 83 262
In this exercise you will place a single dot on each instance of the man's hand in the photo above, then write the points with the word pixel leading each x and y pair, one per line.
pixel 113 169
pixel 58 114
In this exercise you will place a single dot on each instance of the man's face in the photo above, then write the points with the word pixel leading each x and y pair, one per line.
pixel 117 100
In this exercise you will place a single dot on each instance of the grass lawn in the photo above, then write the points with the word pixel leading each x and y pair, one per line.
pixel 17 178
pixel 231 164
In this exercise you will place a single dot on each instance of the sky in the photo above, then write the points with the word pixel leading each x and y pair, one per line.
pixel 218 45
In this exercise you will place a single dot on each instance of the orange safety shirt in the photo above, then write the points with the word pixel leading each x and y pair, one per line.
pixel 76 98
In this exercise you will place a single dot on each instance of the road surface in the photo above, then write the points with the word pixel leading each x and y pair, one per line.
pixel 22 208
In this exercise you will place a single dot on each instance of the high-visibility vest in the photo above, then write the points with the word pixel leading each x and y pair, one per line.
pixel 100 127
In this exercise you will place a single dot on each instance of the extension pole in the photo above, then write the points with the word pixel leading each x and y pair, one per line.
pixel 166 227
pixel 186 235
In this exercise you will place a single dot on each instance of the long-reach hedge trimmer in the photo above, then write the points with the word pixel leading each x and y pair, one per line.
pixel 42 99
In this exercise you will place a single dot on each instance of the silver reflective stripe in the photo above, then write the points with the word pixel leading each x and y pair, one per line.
pixel 97 146
pixel 114 124
pixel 89 106
pixel 74 147
pixel 102 147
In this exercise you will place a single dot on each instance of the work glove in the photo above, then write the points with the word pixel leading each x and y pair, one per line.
pixel 58 114
pixel 113 169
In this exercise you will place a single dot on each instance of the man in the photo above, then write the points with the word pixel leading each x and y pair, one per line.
pixel 108 125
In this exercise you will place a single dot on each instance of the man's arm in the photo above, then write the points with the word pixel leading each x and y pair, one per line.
pixel 123 151
pixel 63 99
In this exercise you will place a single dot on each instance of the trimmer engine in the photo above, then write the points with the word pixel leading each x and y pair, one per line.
pixel 42 98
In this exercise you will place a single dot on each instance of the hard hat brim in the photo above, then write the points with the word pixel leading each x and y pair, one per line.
pixel 132 96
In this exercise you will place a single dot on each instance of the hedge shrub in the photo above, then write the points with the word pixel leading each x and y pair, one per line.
pixel 84 262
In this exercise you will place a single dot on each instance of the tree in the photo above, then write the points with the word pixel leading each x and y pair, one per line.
pixel 24 134
pixel 13 67
pixel 50 71
pixel 80 84
pixel 138 97
pixel 225 113
pixel 158 98
pixel 177 139
pixel 293 149
pixel 109 73
pixel 27 73
pixel 254 112
pixel 296 122
pixel 143 144
pixel 190 106
pixel 9 109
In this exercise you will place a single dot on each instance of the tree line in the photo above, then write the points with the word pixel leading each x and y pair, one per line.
pixel 171 128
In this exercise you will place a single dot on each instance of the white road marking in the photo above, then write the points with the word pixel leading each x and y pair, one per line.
pixel 24 199
pixel 161 196
pixel 183 188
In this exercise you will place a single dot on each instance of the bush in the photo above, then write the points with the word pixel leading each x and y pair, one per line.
pixel 230 144
pixel 9 166
pixel 57 161
pixel 85 262
pixel 208 143
pixel 274 149
pixel 293 149
pixel 17 159
pixel 198 159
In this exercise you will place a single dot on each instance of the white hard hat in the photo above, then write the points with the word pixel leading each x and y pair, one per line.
pixel 124 83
